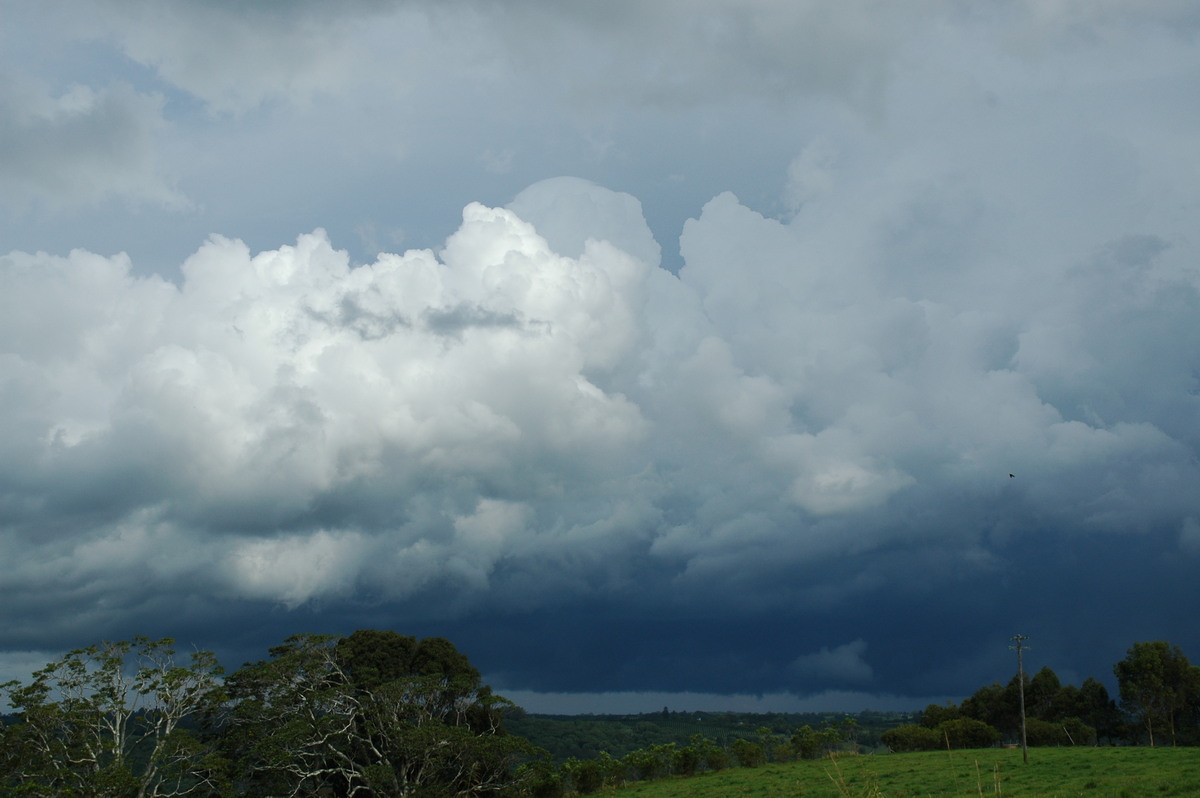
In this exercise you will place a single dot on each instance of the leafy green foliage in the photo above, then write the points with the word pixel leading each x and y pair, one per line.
pixel 1080 714
pixel 748 754
pixel 1158 686
pixel 652 762
pixel 936 714
pixel 372 714
pixel 967 733
pixel 110 719
pixel 807 742
pixel 592 775
pixel 904 739
pixel 1069 731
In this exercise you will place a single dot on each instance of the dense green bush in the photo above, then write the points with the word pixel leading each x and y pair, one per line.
pixel 541 779
pixel 588 776
pixel 937 714
pixel 651 762
pixel 748 754
pixel 967 733
pixel 1070 731
pixel 911 738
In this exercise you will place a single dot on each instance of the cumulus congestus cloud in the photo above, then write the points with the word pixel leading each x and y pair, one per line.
pixel 309 425
pixel 287 426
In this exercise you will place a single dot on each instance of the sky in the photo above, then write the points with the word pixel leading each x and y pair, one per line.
pixel 767 355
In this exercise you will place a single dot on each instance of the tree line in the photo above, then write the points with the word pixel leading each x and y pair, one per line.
pixel 700 754
pixel 585 736
pixel 378 713
pixel 1159 702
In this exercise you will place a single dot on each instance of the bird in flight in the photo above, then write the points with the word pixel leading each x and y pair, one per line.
pixel 1010 476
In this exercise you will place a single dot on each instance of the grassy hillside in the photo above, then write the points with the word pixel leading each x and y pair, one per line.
pixel 1051 773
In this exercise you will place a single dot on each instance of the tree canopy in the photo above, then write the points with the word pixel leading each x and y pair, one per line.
pixel 1158 686
pixel 375 713
pixel 372 714
pixel 113 719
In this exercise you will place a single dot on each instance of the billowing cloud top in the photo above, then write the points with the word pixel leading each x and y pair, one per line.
pixel 754 435
pixel 500 422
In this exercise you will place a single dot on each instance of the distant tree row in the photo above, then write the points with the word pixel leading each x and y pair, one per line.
pixel 701 754
pixel 585 736
pixel 1160 700
pixel 372 714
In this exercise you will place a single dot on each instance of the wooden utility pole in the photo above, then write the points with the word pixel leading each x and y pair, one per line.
pixel 1019 645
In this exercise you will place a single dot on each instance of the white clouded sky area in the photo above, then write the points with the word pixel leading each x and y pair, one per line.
pixel 673 352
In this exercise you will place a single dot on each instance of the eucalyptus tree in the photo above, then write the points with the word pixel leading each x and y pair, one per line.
pixel 372 714
pixel 114 719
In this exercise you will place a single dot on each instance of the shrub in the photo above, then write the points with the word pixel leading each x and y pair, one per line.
pixel 937 714
pixel 652 761
pixel 1071 731
pixel 783 752
pixel 967 733
pixel 808 742
pixel 687 760
pixel 541 779
pixel 748 754
pixel 592 775
pixel 911 738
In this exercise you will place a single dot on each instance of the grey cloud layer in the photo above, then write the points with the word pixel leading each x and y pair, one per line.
pixel 373 77
pixel 80 146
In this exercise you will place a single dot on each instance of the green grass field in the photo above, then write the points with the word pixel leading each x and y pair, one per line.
pixel 1051 773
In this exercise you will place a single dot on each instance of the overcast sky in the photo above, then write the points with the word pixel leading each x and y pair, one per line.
pixel 655 353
